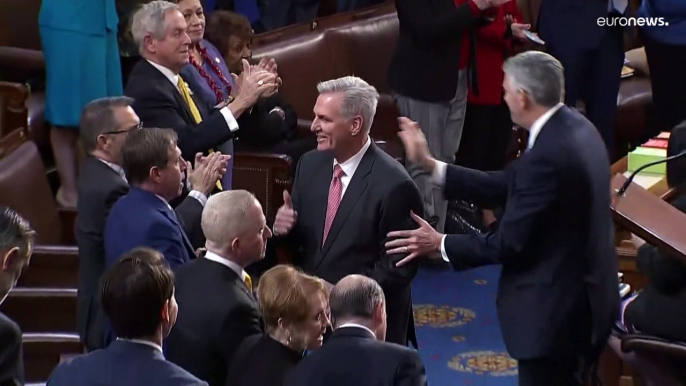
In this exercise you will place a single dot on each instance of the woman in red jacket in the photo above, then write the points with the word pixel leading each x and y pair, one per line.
pixel 487 126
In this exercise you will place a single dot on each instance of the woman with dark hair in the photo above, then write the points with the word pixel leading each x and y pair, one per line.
pixel 660 309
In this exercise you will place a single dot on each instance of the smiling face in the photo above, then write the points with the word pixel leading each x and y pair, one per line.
pixel 171 50
pixel 335 132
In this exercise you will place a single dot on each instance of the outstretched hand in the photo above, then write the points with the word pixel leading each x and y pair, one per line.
pixel 416 242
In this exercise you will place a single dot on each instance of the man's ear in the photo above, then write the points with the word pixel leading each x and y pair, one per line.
pixel 357 126
pixel 9 258
pixel 165 310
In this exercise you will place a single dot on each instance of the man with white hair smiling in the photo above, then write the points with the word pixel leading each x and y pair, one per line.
pixel 347 195
pixel 214 293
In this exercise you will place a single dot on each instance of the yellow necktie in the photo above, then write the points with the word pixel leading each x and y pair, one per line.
pixel 186 94
pixel 248 282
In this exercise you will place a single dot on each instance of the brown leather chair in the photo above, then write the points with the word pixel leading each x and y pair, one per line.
pixel 667 356
pixel 42 309
pixel 44 351
pixel 24 187
pixel 266 176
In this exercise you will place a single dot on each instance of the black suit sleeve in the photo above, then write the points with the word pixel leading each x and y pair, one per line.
pixel 189 213
pixel 535 190
pixel 484 188
pixel 665 272
pixel 428 26
pixel 11 365
pixel 157 111
pixel 265 129
pixel 411 371
pixel 240 323
pixel 396 208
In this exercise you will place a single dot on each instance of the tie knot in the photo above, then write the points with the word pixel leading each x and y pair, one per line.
pixel 337 171
pixel 248 281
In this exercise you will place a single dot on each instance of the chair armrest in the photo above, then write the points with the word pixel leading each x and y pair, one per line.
pixel 653 345
pixel 19 64
pixel 14 112
pixel 68 221
pixel 266 176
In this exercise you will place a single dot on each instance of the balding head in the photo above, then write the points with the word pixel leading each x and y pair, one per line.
pixel 235 227
pixel 359 299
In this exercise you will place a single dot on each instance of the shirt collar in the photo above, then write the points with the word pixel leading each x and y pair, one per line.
pixel 539 123
pixel 144 342
pixel 355 325
pixel 211 256
pixel 353 162
pixel 169 74
pixel 165 202
pixel 114 167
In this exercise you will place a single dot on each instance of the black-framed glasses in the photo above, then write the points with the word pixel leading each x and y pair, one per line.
pixel 133 128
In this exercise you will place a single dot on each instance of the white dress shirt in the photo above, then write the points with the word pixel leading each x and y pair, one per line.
pixel 211 256
pixel 355 325
pixel 144 342
pixel 174 79
pixel 351 165
pixel 439 172
pixel 115 167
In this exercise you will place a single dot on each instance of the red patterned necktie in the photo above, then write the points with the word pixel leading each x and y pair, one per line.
pixel 335 192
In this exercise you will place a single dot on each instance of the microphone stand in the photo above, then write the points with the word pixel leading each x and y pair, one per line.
pixel 625 186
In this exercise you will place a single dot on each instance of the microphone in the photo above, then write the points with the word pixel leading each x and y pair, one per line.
pixel 625 186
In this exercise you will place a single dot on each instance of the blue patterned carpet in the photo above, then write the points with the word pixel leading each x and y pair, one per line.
pixel 457 328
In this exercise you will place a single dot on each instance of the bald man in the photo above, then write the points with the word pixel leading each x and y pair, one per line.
pixel 356 353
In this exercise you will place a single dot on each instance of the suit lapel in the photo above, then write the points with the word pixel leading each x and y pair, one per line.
pixel 357 186
pixel 187 115
pixel 169 213
pixel 321 194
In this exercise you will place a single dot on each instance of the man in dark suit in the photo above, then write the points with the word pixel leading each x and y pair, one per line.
pixel 138 297
pixel 592 54
pixel 356 353
pixel 346 196
pixel 215 292
pixel 162 97
pixel 557 296
pixel 105 124
pixel 143 217
pixel 16 242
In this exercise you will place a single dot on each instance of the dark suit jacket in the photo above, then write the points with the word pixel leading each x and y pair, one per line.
pixel 218 313
pixel 158 103
pixel 122 363
pixel 572 24
pixel 426 60
pixel 11 365
pixel 555 239
pixel 352 356
pixel 142 219
pixel 661 308
pixel 99 188
pixel 260 352
pixel 378 200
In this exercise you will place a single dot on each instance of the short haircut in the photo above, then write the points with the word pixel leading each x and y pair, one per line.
pixel 359 98
pixel 151 19
pixel 144 149
pixel 355 300
pixel 221 25
pixel 15 231
pixel 98 118
pixel 283 292
pixel 538 74
pixel 134 291
pixel 676 169
pixel 225 216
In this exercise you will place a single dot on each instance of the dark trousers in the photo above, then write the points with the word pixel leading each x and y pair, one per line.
pixel 667 78
pixel 593 75
pixel 485 137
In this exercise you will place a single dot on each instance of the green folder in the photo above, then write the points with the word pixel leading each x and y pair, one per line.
pixel 645 155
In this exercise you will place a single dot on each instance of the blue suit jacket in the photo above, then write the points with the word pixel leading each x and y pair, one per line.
pixel 122 363
pixel 555 239
pixel 94 17
pixel 572 23
pixel 141 219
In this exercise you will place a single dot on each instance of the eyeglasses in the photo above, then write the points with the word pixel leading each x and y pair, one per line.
pixel 133 128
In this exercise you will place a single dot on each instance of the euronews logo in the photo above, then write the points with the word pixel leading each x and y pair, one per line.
pixel 632 22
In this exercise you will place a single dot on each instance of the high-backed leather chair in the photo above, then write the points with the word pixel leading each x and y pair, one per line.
pixel 669 358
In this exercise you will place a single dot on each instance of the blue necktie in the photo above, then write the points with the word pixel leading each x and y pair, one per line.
pixel 247 8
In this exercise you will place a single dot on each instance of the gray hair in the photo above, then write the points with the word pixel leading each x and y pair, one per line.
pixel 225 217
pixel 98 118
pixel 359 98
pixel 538 74
pixel 150 19
pixel 355 296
